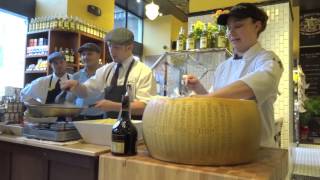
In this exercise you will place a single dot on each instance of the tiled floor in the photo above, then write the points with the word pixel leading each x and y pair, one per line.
pixel 306 162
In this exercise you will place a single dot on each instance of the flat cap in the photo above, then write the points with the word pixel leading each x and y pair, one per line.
pixel 90 47
pixel 121 36
pixel 56 55
pixel 242 11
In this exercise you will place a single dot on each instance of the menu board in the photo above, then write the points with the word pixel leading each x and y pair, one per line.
pixel 310 28
pixel 310 63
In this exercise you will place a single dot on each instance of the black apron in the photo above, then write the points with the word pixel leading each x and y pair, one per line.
pixel 54 92
pixel 114 93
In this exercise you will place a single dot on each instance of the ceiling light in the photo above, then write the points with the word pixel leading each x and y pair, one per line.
pixel 152 11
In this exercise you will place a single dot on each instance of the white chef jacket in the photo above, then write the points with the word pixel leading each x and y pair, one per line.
pixel 261 70
pixel 140 77
pixel 38 88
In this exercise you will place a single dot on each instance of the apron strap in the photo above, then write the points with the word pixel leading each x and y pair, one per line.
pixel 127 75
pixel 50 81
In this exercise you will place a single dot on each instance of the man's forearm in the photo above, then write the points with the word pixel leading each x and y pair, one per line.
pixel 236 90
pixel 80 90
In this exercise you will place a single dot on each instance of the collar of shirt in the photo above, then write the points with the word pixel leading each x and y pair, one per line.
pixel 126 63
pixel 55 79
pixel 252 52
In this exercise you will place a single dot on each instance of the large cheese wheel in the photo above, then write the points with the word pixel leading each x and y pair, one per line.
pixel 202 131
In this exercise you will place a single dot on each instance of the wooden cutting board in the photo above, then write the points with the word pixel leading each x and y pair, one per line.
pixel 271 164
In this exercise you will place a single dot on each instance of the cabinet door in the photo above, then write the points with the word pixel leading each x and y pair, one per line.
pixel 28 164
pixel 66 166
pixel 4 164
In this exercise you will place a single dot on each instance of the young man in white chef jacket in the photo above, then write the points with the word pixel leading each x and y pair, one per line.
pixel 252 72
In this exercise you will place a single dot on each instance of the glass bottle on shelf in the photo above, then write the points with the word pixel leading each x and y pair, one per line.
pixel 72 24
pixel 31 25
pixel 221 37
pixel 181 40
pixel 66 23
pixel 71 56
pixel 48 21
pixel 191 39
pixel 204 38
pixel 67 55
pixel 60 22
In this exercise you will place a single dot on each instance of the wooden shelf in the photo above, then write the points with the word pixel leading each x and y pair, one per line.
pixel 65 39
pixel 36 56
pixel 36 72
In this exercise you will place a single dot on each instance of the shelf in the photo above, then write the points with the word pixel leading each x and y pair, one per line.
pixel 38 32
pixel 312 46
pixel 36 72
pixel 37 56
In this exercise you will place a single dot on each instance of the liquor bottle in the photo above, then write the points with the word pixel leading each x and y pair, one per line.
pixel 60 22
pixel 124 133
pixel 66 23
pixel 31 25
pixel 67 55
pixel 55 23
pixel 72 24
pixel 204 38
pixel 47 22
pixel 37 24
pixel 71 56
pixel 221 38
pixel 190 40
pixel 181 40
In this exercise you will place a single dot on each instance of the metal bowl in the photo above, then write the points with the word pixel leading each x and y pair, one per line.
pixel 53 110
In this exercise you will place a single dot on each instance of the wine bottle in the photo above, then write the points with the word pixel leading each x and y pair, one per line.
pixel 221 38
pixel 124 133
pixel 181 40
pixel 191 40
pixel 204 38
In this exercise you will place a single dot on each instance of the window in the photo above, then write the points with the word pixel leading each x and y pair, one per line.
pixel 119 17
pixel 135 25
pixel 124 18
pixel 13 32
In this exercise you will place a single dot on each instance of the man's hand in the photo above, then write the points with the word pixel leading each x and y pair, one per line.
pixel 193 83
pixel 107 105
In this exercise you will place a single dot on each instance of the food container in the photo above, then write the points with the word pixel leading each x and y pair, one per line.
pixel 99 131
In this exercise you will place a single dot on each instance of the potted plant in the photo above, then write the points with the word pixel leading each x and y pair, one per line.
pixel 310 120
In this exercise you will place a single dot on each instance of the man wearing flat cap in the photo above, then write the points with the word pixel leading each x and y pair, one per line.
pixel 252 72
pixel 89 54
pixel 111 79
pixel 45 89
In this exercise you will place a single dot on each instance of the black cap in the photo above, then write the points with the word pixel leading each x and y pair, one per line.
pixel 121 36
pixel 90 47
pixel 244 10
pixel 56 55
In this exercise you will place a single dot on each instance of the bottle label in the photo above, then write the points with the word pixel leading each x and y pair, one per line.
pixel 190 43
pixel 117 147
pixel 203 42
pixel 179 45
pixel 221 42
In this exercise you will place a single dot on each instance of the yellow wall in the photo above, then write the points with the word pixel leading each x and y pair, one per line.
pixel 204 5
pixel 175 27
pixel 295 31
pixel 157 33
pixel 51 7
pixel 105 21
pixel 79 8
pixel 160 32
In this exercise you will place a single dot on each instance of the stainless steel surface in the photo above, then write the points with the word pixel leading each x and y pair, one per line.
pixel 53 110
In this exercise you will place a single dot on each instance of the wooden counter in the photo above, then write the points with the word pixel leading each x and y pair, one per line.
pixel 30 159
pixel 271 164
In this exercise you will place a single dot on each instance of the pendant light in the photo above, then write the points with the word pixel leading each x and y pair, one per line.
pixel 152 11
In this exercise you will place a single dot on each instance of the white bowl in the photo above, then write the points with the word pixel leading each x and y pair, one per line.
pixel 99 131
